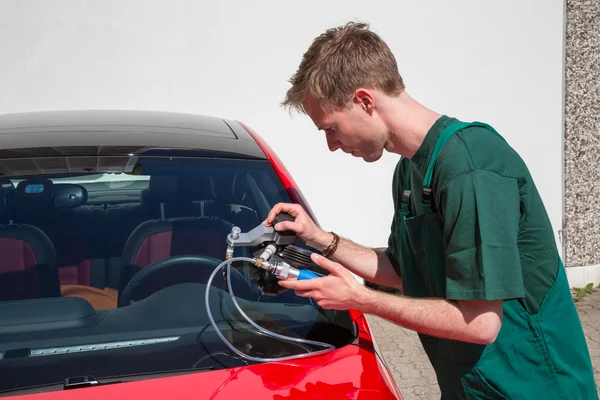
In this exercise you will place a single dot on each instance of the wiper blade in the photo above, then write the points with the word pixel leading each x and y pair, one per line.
pixel 89 381
pixel 84 381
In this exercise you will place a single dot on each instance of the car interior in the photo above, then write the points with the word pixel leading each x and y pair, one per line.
pixel 52 229
pixel 94 277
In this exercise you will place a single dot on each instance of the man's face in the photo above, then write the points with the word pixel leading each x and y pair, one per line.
pixel 353 130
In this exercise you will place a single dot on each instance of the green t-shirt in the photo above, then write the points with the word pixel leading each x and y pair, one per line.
pixel 497 235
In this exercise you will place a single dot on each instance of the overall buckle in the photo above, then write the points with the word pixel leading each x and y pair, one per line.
pixel 406 196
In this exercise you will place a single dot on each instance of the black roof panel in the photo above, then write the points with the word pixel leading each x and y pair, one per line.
pixel 94 131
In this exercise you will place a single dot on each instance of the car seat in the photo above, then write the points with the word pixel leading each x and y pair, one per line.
pixel 74 229
pixel 28 263
pixel 168 236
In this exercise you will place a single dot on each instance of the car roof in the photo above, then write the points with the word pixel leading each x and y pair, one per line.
pixel 124 129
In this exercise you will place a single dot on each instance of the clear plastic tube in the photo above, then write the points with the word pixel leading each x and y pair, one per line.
pixel 257 332
pixel 261 329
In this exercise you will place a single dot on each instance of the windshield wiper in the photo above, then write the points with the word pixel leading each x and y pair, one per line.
pixel 86 381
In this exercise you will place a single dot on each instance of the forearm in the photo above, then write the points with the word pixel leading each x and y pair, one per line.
pixel 370 264
pixel 437 317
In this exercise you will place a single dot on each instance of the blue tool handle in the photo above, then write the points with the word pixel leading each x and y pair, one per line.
pixel 306 274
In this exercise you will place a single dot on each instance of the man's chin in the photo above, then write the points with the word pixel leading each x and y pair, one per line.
pixel 371 158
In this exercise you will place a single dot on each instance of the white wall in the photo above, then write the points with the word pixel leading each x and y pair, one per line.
pixel 493 61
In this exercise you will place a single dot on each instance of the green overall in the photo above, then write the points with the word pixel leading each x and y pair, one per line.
pixel 537 355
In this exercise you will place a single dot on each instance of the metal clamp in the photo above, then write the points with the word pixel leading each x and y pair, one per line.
pixel 260 234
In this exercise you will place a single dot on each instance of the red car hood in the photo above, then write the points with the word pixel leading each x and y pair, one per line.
pixel 352 372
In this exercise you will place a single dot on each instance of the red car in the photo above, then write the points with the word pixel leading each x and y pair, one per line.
pixel 111 224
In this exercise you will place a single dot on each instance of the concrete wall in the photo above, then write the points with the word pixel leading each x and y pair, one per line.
pixel 582 140
pixel 496 61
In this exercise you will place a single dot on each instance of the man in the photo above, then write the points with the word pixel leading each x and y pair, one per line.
pixel 471 246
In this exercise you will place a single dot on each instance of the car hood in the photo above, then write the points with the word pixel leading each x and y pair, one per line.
pixel 352 372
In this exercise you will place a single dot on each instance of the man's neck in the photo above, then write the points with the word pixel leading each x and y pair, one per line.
pixel 408 123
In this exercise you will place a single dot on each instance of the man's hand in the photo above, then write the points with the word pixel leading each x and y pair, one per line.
pixel 339 290
pixel 303 225
pixel 371 265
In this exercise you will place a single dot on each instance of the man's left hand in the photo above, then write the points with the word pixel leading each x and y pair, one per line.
pixel 339 290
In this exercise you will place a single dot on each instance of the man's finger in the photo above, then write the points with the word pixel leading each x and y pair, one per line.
pixel 304 293
pixel 289 208
pixel 324 262
pixel 274 211
pixel 308 284
pixel 288 226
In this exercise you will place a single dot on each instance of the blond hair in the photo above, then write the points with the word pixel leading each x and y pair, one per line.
pixel 338 62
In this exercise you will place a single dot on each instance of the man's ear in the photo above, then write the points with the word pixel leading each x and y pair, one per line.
pixel 364 98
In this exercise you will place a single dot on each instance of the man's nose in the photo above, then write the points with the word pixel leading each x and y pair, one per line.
pixel 333 143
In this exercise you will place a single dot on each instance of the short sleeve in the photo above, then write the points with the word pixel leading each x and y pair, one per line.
pixel 481 212
pixel 392 250
pixel 392 246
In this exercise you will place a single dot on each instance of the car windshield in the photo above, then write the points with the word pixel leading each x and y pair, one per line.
pixel 104 273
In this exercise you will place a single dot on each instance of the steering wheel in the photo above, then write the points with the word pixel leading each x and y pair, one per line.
pixel 178 269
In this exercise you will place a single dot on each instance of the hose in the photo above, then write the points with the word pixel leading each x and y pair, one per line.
pixel 328 346
pixel 265 331
pixel 257 332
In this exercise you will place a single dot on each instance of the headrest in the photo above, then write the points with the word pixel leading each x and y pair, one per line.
pixel 160 189
pixel 178 188
pixel 231 188
pixel 196 187
pixel 34 195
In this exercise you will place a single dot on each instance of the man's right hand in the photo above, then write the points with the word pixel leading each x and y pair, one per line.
pixel 304 227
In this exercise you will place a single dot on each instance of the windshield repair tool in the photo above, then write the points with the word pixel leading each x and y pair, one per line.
pixel 227 264
pixel 275 251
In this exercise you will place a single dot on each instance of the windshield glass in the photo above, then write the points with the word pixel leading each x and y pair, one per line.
pixel 105 274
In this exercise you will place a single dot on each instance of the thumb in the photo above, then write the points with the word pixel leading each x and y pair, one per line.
pixel 288 226
pixel 326 263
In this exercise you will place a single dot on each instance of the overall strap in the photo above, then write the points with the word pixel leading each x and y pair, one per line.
pixel 406 188
pixel 439 145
